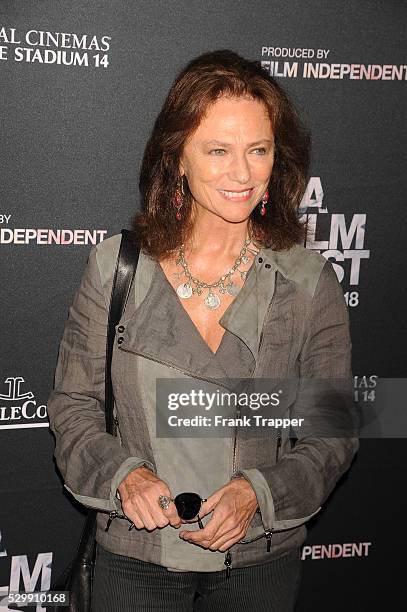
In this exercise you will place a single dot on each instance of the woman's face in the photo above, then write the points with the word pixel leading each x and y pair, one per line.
pixel 228 160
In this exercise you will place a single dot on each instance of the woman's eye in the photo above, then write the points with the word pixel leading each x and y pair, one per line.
pixel 260 150
pixel 217 151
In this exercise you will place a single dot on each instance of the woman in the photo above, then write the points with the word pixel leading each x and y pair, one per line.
pixel 224 290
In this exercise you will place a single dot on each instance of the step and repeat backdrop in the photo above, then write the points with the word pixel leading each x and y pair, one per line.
pixel 81 84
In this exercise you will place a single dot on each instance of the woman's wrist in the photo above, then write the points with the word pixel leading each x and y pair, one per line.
pixel 242 482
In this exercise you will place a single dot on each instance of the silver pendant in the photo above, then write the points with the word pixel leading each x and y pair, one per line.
pixel 184 290
pixel 212 301
pixel 233 289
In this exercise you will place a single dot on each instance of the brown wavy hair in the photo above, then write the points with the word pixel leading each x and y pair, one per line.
pixel 201 83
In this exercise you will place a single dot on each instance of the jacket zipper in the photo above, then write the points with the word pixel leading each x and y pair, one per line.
pixel 278 444
pixel 268 533
pixel 228 563
pixel 112 515
pixel 237 415
pixel 169 365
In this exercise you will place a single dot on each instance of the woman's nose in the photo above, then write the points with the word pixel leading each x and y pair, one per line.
pixel 239 169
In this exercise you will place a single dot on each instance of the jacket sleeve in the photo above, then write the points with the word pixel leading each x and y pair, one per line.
pixel 294 489
pixel 91 461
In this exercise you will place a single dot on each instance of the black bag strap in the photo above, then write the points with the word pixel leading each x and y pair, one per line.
pixel 126 265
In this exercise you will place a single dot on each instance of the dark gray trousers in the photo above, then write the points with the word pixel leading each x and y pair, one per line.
pixel 123 584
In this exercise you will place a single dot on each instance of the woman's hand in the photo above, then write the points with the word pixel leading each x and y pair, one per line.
pixel 139 493
pixel 234 506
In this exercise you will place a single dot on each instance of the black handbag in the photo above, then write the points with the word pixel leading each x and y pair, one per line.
pixel 77 578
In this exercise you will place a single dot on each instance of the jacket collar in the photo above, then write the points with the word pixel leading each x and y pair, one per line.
pixel 161 329
pixel 246 315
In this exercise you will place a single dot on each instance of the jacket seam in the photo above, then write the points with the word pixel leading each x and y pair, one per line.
pixel 306 327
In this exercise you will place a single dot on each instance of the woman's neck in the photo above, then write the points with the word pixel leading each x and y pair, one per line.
pixel 214 237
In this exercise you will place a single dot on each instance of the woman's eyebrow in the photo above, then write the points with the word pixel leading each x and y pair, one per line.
pixel 226 144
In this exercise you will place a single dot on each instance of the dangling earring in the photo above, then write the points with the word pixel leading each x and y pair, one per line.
pixel 178 200
pixel 264 201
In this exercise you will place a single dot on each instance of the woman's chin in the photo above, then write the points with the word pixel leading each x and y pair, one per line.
pixel 232 213
pixel 236 212
pixel 237 216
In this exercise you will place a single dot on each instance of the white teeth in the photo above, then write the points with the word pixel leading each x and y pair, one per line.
pixel 234 194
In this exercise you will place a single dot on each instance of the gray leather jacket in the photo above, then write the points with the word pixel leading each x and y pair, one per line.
pixel 289 320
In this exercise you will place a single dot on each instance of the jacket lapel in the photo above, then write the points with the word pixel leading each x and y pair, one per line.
pixel 159 328
pixel 246 314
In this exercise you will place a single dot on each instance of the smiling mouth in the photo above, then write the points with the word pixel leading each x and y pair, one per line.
pixel 237 196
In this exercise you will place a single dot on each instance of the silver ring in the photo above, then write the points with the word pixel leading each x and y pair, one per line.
pixel 164 501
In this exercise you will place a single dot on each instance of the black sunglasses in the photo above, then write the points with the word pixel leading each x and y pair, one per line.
pixel 188 506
